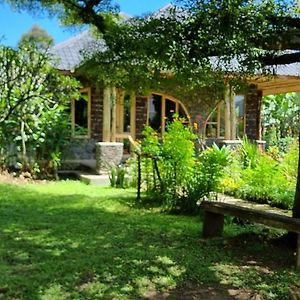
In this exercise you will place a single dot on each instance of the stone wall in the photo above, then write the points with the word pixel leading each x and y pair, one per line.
pixel 108 155
pixel 78 154
pixel 96 114
pixel 253 113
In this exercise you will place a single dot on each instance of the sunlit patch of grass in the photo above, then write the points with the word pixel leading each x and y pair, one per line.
pixel 67 240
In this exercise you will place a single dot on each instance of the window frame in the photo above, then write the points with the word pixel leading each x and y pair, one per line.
pixel 120 133
pixel 86 90
pixel 218 122
pixel 165 97
pixel 244 114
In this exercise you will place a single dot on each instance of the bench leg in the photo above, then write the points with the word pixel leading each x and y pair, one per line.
pixel 213 224
pixel 298 251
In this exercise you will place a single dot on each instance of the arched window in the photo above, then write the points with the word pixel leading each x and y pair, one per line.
pixel 215 124
pixel 161 109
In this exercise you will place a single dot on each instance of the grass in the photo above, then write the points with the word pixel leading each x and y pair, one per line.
pixel 67 240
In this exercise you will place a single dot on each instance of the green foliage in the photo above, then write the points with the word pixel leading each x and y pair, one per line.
pixel 117 177
pixel 249 154
pixel 290 161
pixel 37 37
pixel 70 12
pixel 68 240
pixel 172 175
pixel 207 173
pixel 177 157
pixel 263 177
pixel 33 100
pixel 281 117
pixel 177 40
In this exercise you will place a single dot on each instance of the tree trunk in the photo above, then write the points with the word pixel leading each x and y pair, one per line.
pixel 23 147
pixel 296 207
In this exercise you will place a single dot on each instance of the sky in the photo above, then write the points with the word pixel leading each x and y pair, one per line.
pixel 14 24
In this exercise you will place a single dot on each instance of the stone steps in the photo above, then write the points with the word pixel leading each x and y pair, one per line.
pixel 86 177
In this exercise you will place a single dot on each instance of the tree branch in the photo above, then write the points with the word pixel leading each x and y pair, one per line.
pixel 283 59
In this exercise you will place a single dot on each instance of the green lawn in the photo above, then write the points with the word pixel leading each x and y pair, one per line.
pixel 67 240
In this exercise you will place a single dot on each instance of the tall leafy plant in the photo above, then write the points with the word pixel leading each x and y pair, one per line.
pixel 33 97
pixel 281 118
pixel 172 173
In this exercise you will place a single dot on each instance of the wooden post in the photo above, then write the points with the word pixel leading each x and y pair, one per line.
pixel 139 179
pixel 298 251
pixel 232 114
pixel 132 115
pixel 106 114
pixel 227 114
pixel 163 116
pixel 213 224
pixel 113 114
pixel 120 111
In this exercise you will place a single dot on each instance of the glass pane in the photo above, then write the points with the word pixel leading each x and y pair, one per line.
pixel 239 105
pixel 239 108
pixel 126 111
pixel 240 127
pixel 214 116
pixel 222 120
pixel 211 130
pixel 170 110
pixel 155 112
pixel 182 114
pixel 81 115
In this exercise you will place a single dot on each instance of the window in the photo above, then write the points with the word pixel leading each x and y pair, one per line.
pixel 212 125
pixel 215 124
pixel 125 118
pixel 155 108
pixel 81 115
pixel 239 112
pixel 126 113
pixel 161 110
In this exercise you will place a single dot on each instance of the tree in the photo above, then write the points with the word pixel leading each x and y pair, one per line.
pixel 296 207
pixel 33 96
pixel 38 37
pixel 281 115
pixel 201 38
pixel 69 11
pixel 266 20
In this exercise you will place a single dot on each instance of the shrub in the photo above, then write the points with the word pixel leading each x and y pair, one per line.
pixel 290 161
pixel 248 153
pixel 267 179
pixel 172 175
pixel 117 177
pixel 207 173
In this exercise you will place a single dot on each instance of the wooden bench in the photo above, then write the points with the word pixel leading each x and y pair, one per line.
pixel 214 212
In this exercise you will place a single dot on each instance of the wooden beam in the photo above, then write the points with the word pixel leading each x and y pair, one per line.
pixel 255 215
pixel 232 114
pixel 227 114
pixel 163 115
pixel 119 109
pixel 113 114
pixel 133 115
pixel 298 251
pixel 280 90
pixel 106 114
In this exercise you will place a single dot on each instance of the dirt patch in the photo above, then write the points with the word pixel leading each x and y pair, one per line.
pixel 18 179
pixel 205 292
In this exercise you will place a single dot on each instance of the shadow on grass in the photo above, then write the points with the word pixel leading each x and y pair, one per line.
pixel 87 243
